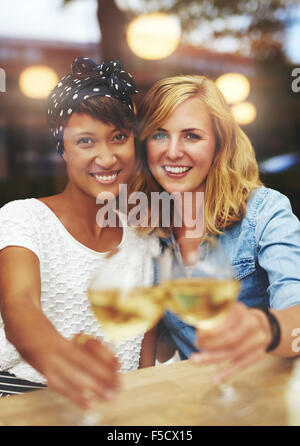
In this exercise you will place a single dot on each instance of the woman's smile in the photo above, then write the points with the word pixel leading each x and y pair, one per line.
pixel 106 177
pixel 99 156
pixel 174 171
pixel 180 153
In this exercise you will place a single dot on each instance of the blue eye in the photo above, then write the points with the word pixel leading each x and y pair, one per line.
pixel 192 136
pixel 159 136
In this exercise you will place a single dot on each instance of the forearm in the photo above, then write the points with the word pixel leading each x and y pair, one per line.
pixel 148 350
pixel 289 321
pixel 165 351
pixel 28 329
pixel 70 367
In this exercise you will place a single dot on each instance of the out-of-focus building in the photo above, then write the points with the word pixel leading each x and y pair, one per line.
pixel 29 164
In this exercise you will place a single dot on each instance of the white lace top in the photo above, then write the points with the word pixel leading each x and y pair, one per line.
pixel 66 268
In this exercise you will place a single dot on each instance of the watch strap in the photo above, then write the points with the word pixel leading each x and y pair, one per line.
pixel 275 329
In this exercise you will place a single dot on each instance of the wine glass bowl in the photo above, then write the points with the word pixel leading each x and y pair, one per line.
pixel 201 302
pixel 201 289
pixel 125 312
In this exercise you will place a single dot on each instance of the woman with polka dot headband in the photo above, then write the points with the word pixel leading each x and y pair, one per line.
pixel 51 247
pixel 88 80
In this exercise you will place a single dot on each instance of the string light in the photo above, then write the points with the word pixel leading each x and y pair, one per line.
pixel 244 113
pixel 234 86
pixel 154 35
pixel 37 81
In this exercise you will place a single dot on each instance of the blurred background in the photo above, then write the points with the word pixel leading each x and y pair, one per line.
pixel 252 49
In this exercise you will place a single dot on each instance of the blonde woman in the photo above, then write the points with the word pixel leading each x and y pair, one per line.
pixel 190 142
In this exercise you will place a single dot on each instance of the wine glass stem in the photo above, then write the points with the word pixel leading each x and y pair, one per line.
pixel 227 392
pixel 90 418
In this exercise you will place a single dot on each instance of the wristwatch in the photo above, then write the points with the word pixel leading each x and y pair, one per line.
pixel 275 329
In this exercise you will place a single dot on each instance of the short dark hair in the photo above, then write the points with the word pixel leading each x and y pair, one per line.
pixel 109 111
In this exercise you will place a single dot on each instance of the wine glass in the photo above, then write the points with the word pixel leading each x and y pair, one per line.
pixel 201 292
pixel 123 309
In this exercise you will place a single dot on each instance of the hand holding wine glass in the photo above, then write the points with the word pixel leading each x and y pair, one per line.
pixel 202 293
pixel 241 340
pixel 123 310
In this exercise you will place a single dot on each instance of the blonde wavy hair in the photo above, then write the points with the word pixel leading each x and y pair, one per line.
pixel 233 174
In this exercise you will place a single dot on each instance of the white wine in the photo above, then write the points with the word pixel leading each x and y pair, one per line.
pixel 200 302
pixel 124 314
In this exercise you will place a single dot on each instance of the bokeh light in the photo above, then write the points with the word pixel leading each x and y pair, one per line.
pixel 234 86
pixel 37 81
pixel 244 113
pixel 153 36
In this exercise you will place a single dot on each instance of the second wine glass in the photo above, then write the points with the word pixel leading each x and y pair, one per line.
pixel 201 292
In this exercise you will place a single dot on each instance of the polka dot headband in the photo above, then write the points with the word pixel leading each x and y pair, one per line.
pixel 86 80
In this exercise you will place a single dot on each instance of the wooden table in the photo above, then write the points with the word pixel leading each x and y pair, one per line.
pixel 165 395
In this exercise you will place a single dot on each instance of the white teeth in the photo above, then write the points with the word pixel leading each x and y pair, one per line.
pixel 105 177
pixel 176 169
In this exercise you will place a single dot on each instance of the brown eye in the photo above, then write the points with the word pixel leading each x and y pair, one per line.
pixel 85 140
pixel 120 137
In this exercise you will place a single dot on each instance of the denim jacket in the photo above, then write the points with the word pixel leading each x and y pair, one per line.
pixel 264 249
